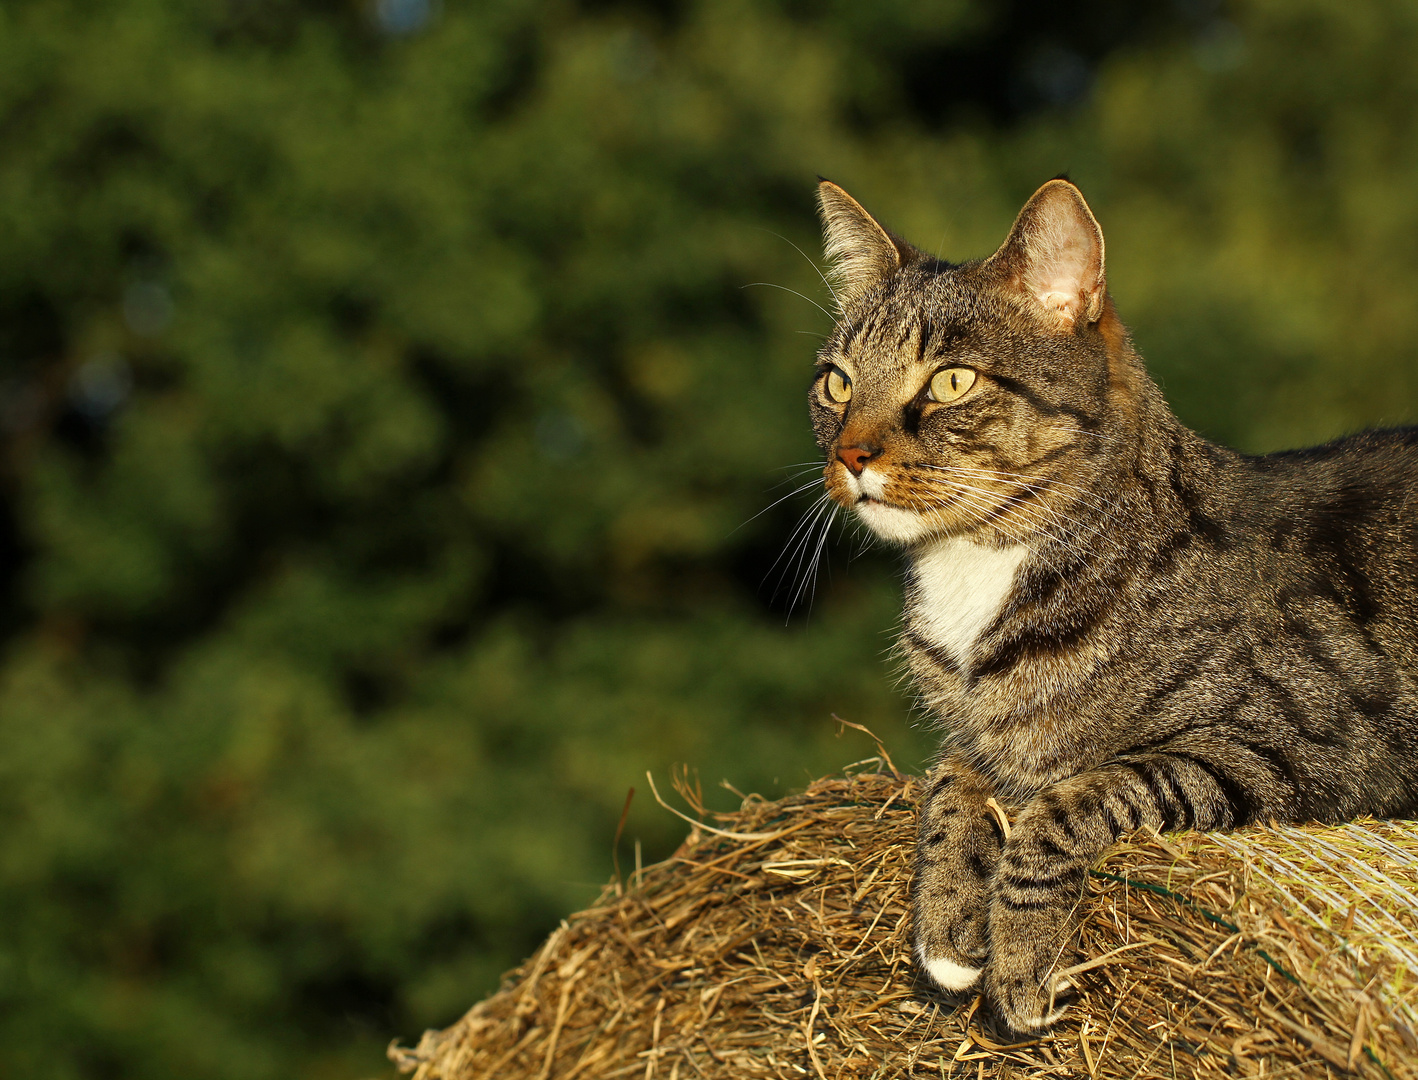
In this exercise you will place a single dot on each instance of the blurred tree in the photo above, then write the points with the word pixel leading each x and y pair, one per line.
pixel 385 415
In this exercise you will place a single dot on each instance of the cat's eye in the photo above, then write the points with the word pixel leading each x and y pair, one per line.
pixel 839 387
pixel 950 384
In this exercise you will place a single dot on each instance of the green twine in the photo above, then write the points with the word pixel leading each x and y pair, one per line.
pixel 1162 890
pixel 1372 1057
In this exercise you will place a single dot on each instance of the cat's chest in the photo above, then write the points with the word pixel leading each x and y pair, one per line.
pixel 958 589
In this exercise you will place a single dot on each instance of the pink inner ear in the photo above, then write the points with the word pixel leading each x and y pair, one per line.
pixel 1064 267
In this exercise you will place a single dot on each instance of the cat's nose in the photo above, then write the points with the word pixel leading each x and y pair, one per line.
pixel 856 457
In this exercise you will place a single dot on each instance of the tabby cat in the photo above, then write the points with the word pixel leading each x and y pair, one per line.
pixel 1117 624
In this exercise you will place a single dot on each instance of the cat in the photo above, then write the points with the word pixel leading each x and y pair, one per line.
pixel 1117 624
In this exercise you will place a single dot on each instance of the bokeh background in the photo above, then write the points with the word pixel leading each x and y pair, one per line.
pixel 387 396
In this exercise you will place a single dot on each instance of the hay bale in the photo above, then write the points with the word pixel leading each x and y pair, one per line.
pixel 783 950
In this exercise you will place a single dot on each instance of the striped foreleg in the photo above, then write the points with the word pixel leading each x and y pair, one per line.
pixel 958 845
pixel 1045 863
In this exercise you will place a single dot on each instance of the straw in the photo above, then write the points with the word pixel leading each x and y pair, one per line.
pixel 776 943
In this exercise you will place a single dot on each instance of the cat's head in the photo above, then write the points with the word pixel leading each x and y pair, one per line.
pixel 984 399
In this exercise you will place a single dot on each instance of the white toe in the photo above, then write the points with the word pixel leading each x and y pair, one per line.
pixel 1034 1025
pixel 950 975
pixel 1056 1011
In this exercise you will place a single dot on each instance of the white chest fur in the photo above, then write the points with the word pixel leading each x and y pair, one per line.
pixel 960 588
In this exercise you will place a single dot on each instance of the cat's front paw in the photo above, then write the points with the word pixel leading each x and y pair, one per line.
pixel 1025 991
pixel 956 853
pixel 952 942
pixel 949 972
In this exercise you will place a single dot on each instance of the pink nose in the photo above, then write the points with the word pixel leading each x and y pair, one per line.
pixel 855 457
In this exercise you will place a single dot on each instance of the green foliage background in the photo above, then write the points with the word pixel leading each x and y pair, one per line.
pixel 383 405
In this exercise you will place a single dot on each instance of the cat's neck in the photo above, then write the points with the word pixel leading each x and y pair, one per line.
pixel 956 588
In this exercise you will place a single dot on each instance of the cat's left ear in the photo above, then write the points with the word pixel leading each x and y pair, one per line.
pixel 1054 254
pixel 860 252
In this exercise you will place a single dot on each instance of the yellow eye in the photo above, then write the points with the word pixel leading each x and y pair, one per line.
pixel 951 384
pixel 839 387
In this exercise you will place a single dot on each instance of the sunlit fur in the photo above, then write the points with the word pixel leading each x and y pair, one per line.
pixel 1116 624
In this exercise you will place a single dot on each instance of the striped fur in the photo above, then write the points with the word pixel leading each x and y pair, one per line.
pixel 1116 624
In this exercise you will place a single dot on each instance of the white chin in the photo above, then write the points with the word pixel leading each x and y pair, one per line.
pixel 889 523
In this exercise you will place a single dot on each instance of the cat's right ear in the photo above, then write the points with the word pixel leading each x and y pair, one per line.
pixel 860 253
pixel 1054 255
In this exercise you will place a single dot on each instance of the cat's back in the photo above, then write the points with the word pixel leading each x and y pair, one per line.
pixel 1360 489
pixel 1369 456
pixel 1341 521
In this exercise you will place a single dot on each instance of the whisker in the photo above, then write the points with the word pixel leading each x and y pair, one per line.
pixel 1098 504
pixel 796 491
pixel 815 471
pixel 808 515
pixel 1065 527
pixel 982 504
pixel 1026 477
pixel 985 506
pixel 814 265
pixel 1089 497
pixel 1105 510
pixel 797 539
pixel 799 566
pixel 809 580
pixel 865 537
pixel 820 504
pixel 1022 504
pixel 800 473
pixel 972 502
pixel 809 299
